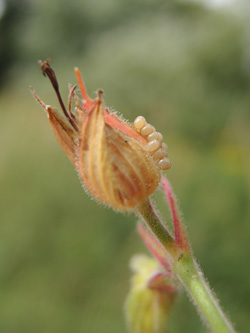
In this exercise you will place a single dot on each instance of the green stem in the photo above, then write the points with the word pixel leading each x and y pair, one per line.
pixel 191 277
pixel 149 215
pixel 188 273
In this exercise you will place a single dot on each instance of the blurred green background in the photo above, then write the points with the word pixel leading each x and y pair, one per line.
pixel 183 65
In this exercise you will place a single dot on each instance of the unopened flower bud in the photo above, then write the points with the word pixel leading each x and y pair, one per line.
pixel 115 160
pixel 151 297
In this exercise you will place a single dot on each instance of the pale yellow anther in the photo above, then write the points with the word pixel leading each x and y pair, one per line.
pixel 165 153
pixel 160 136
pixel 153 136
pixel 164 146
pixel 139 122
pixel 165 164
pixel 159 154
pixel 147 129
pixel 153 145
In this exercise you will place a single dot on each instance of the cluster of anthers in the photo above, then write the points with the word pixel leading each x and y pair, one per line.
pixel 155 146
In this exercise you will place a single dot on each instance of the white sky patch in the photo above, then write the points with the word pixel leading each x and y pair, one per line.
pixel 218 3
pixel 215 3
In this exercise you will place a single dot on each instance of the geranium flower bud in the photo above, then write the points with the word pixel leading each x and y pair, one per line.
pixel 119 163
pixel 151 297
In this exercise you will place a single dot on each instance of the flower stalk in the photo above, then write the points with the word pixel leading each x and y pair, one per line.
pixel 154 223
pixel 181 261
pixel 191 277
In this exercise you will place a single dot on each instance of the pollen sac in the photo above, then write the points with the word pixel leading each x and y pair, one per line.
pixel 165 164
pixel 155 136
pixel 153 145
pixel 157 148
pixel 147 129
pixel 139 122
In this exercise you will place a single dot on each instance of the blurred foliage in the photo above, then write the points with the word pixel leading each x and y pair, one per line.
pixel 12 16
pixel 186 68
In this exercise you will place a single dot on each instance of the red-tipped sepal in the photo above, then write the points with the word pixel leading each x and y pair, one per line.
pixel 181 238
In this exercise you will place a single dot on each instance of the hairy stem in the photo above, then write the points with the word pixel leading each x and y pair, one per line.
pixel 188 273
pixel 154 223
pixel 191 277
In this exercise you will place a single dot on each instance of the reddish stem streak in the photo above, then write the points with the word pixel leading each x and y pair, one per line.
pixel 181 239
pixel 155 248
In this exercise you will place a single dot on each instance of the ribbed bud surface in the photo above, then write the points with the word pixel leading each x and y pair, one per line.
pixel 115 167
pixel 119 164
